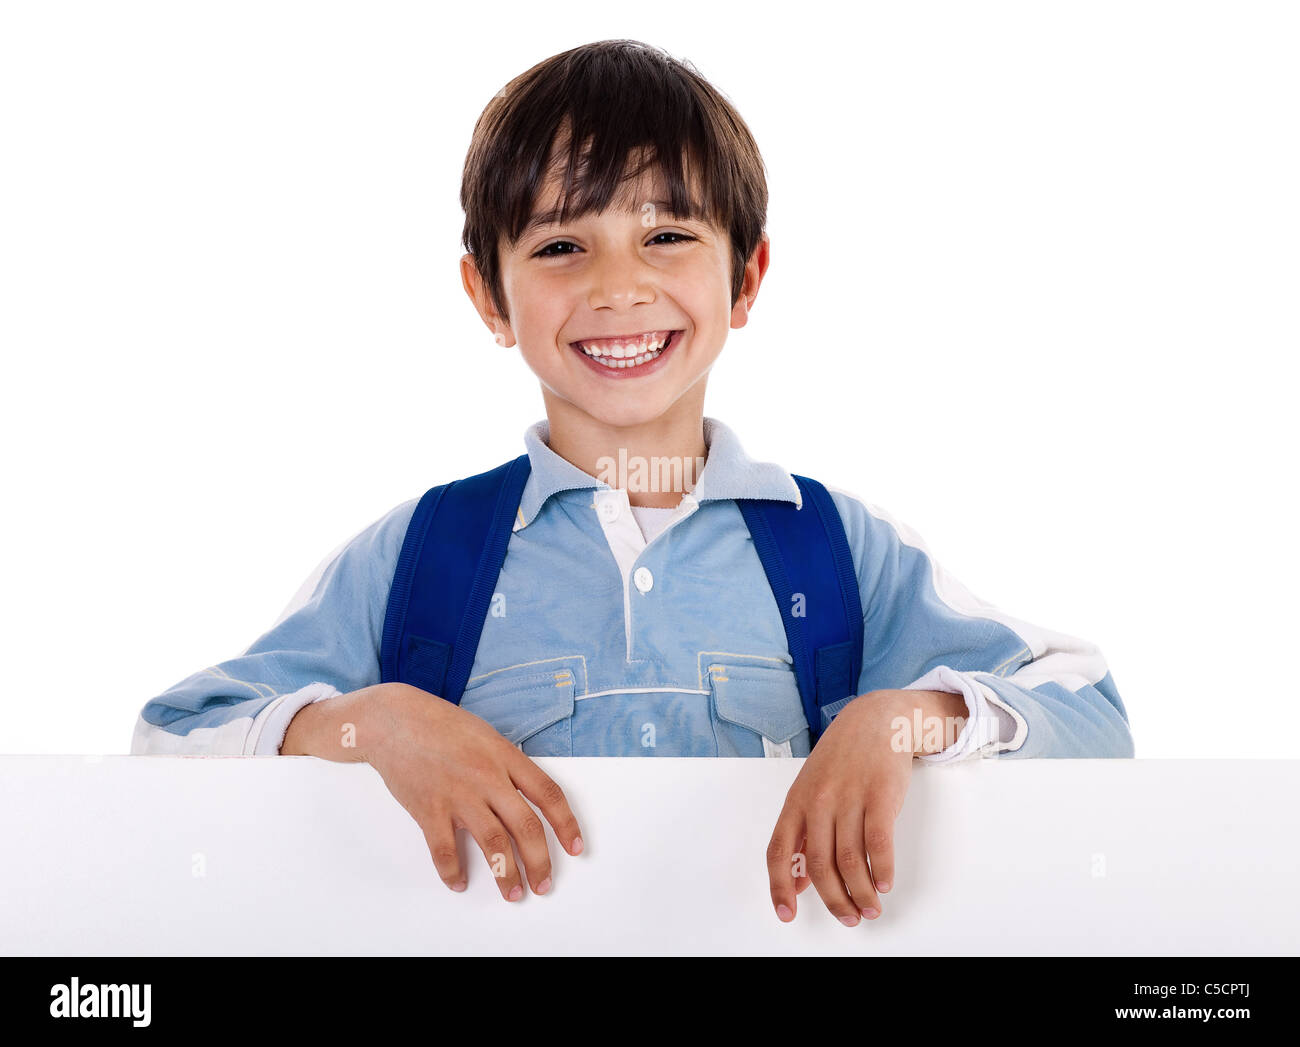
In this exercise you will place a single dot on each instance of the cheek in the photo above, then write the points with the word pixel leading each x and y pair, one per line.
pixel 540 317
pixel 704 291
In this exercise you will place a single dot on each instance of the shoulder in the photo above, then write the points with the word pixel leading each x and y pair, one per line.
pixel 894 561
pixel 888 554
pixel 379 541
pixel 866 522
pixel 363 562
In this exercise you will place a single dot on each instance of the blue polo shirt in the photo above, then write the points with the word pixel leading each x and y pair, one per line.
pixel 599 642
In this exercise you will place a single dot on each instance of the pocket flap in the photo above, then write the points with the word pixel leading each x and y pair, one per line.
pixel 521 700
pixel 763 697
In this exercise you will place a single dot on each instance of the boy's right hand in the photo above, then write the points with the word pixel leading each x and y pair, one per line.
pixel 450 769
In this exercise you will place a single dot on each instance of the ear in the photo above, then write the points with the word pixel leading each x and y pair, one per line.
pixel 755 269
pixel 472 280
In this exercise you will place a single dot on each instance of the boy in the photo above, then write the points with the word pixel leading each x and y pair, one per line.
pixel 615 208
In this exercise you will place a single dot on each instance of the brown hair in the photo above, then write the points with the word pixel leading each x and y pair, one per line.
pixel 606 101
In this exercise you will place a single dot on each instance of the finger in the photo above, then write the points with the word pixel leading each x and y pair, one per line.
pixel 440 836
pixel 802 882
pixel 529 835
pixel 494 842
pixel 826 875
pixel 851 860
pixel 878 826
pixel 543 790
pixel 781 857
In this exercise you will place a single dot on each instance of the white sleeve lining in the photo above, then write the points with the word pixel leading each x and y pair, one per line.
pixel 267 732
pixel 988 725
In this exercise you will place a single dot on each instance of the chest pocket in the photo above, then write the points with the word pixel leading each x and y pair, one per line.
pixel 756 705
pixel 530 705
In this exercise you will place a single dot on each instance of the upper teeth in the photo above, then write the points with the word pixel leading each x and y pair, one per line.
pixel 624 349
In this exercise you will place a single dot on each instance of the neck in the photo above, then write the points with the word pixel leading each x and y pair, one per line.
pixel 622 456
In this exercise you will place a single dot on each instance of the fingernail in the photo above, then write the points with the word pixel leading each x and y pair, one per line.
pixel 883 888
pixel 544 886
pixel 849 921
pixel 577 845
pixel 783 913
pixel 516 892
pixel 458 886
pixel 870 914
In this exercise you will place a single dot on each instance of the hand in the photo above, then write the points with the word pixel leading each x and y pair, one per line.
pixel 839 814
pixel 450 770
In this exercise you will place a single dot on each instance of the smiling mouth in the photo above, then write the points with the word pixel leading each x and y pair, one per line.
pixel 627 352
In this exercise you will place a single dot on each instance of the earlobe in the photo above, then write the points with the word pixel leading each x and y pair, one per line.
pixel 740 311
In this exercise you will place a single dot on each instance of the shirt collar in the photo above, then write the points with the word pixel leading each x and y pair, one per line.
pixel 728 473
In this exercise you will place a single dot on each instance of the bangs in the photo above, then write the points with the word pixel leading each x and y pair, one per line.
pixel 595 164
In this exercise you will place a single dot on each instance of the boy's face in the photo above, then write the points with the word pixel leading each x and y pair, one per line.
pixel 592 301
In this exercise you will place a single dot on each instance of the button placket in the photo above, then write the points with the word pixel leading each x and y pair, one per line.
pixel 626 543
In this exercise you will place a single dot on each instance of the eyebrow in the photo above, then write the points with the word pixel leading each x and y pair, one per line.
pixel 541 219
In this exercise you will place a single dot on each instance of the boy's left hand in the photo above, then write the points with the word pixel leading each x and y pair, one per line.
pixel 840 811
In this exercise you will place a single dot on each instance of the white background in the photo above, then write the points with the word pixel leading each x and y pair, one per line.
pixel 1033 290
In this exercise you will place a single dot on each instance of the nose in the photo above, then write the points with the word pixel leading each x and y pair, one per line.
pixel 620 282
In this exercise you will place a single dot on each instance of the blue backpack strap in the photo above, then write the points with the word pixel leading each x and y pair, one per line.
pixel 446 573
pixel 805 553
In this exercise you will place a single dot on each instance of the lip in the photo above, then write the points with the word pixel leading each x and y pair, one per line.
pixel 641 371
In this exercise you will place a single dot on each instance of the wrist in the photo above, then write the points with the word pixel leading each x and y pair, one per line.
pixel 301 734
pixel 346 728
pixel 922 722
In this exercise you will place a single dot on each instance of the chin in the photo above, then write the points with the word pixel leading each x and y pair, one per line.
pixel 621 405
pixel 625 415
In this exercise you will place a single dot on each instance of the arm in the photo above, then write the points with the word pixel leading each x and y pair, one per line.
pixel 931 652
pixel 448 768
pixel 1029 691
pixel 325 644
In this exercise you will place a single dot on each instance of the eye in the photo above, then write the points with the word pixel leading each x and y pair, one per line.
pixel 547 252
pixel 681 237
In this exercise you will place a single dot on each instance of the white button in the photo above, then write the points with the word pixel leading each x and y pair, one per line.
pixel 645 581
pixel 608 510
